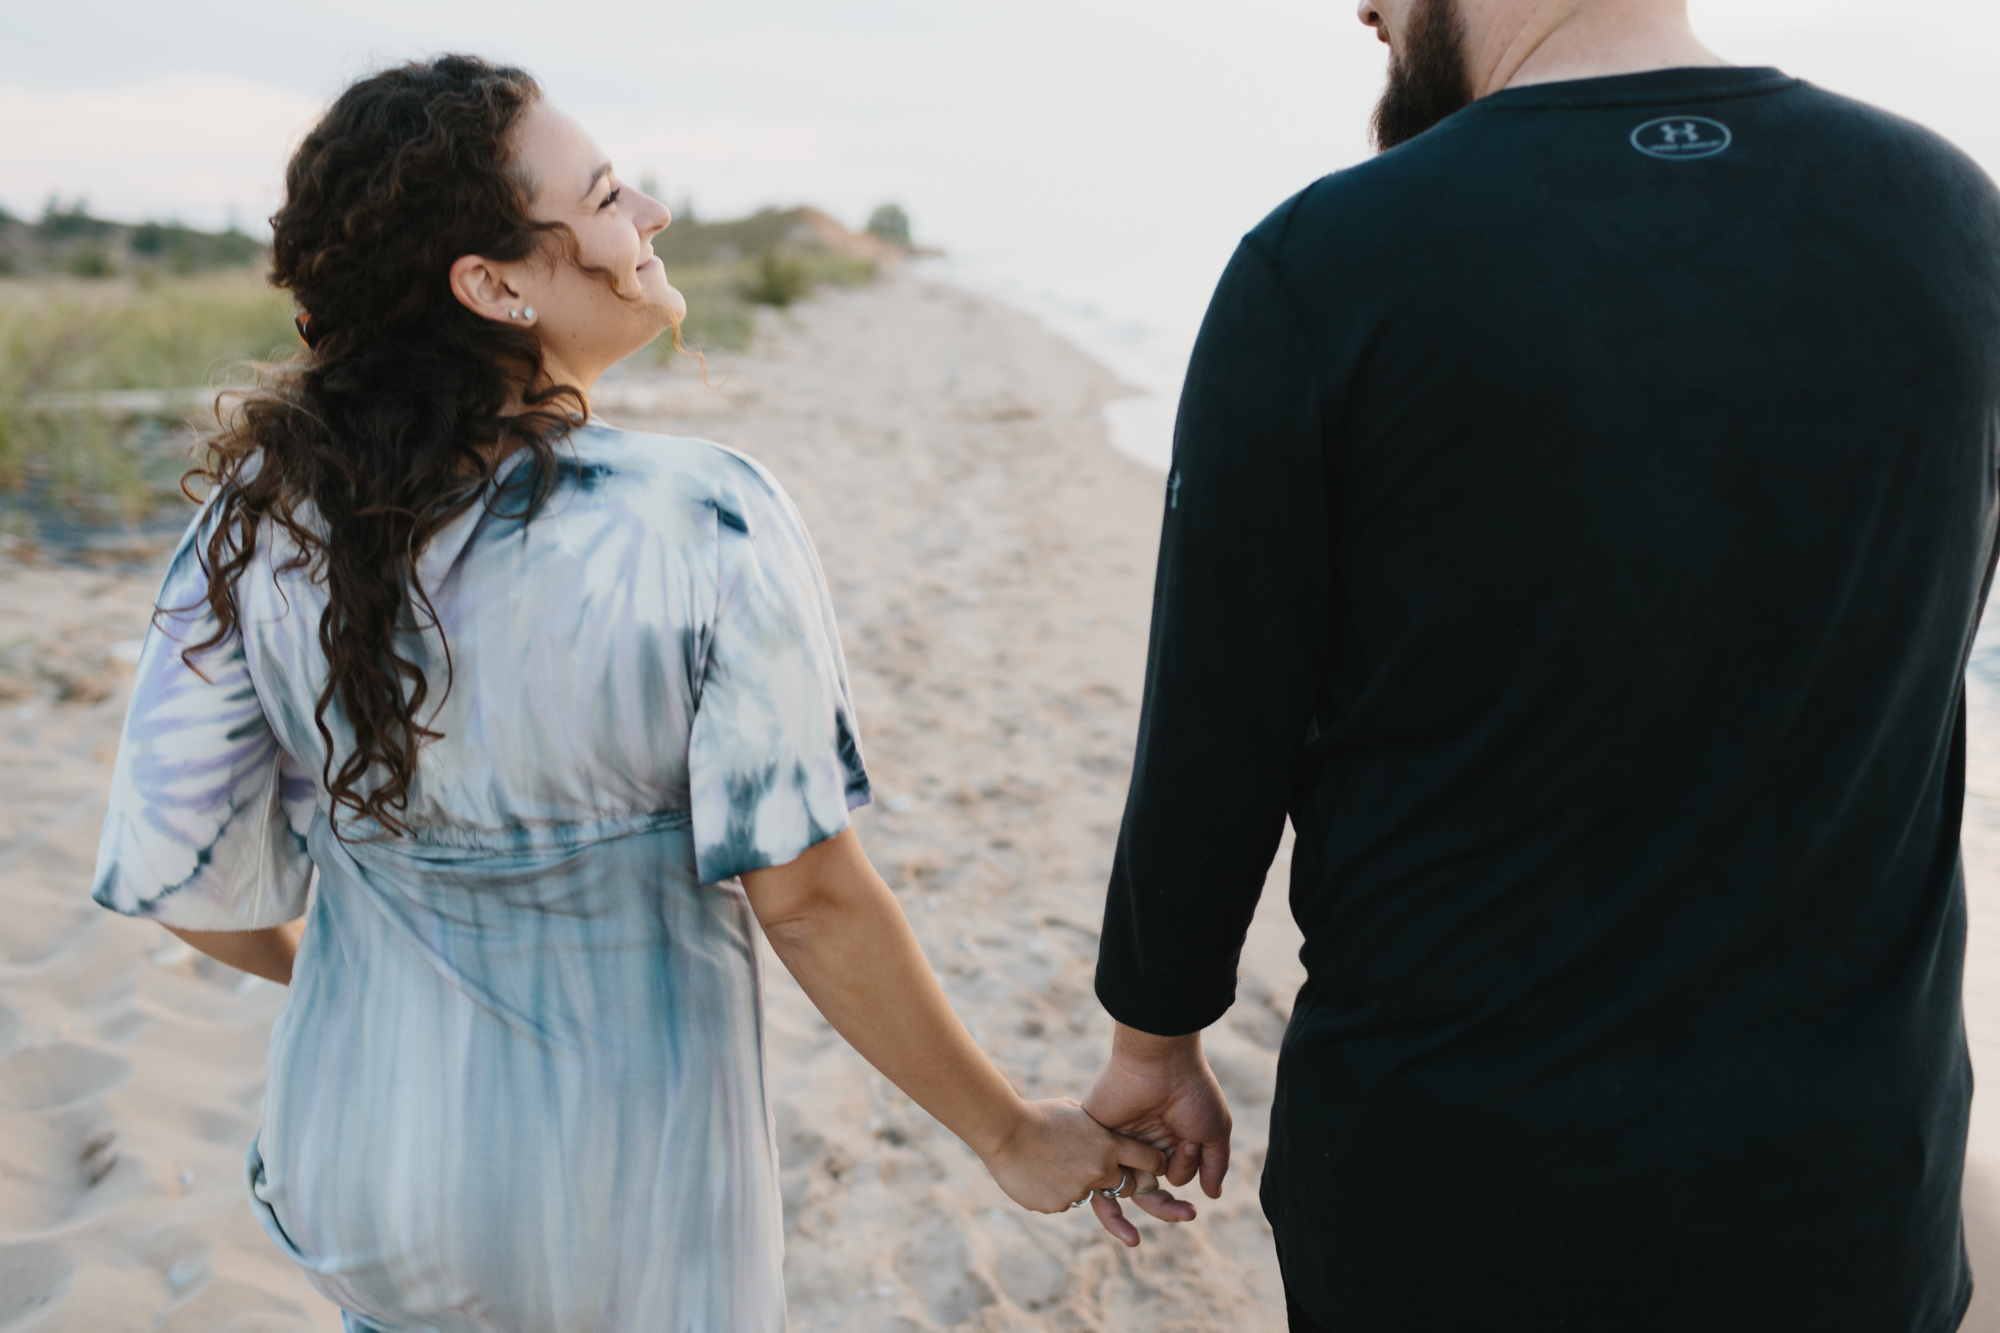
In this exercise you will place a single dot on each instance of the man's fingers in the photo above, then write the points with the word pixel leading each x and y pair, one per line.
pixel 1164 1205
pixel 1113 1219
pixel 1215 1165
pixel 1186 1160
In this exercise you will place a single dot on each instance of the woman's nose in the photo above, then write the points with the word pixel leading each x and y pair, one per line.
pixel 658 219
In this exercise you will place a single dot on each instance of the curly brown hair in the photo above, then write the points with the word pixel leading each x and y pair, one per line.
pixel 394 420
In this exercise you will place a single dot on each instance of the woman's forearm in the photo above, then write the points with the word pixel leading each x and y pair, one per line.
pixel 839 930
pixel 266 953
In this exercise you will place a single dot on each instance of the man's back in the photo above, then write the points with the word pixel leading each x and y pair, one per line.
pixel 1580 520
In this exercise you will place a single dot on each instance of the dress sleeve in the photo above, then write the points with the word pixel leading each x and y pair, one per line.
pixel 205 829
pixel 774 763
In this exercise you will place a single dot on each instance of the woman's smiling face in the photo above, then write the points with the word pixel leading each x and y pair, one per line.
pixel 587 320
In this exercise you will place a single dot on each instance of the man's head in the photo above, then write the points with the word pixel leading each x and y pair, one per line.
pixel 1429 71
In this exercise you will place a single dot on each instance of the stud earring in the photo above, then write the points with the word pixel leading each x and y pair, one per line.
pixel 529 313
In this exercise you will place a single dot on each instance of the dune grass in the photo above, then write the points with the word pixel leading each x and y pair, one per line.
pixel 722 297
pixel 66 337
pixel 60 337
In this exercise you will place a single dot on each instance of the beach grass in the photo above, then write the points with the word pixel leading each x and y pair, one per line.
pixel 66 338
pixel 722 297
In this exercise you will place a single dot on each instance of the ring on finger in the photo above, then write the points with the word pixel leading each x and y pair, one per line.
pixel 1078 1203
pixel 1118 1192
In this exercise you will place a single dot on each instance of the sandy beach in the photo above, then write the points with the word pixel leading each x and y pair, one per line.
pixel 991 561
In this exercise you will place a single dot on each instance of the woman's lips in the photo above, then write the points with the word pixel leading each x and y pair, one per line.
pixel 654 262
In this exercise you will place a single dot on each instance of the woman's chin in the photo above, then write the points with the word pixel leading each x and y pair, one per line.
pixel 673 309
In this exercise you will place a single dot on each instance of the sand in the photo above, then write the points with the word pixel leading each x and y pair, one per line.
pixel 991 562
pixel 990 559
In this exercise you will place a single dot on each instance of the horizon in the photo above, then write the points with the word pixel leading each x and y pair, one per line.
pixel 1092 160
pixel 189 116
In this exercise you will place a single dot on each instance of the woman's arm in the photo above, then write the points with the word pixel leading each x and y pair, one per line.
pixel 839 930
pixel 266 953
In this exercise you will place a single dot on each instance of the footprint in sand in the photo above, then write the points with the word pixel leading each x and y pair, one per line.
pixel 57 1168
pixel 236 1307
pixel 41 927
pixel 42 1078
pixel 33 1277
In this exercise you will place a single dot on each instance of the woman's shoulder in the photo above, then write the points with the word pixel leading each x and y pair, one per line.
pixel 647 471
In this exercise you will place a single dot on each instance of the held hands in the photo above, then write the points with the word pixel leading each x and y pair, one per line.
pixel 1056 1152
pixel 1161 1090
pixel 839 930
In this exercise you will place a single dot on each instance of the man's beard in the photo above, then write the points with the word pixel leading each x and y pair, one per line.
pixel 1427 77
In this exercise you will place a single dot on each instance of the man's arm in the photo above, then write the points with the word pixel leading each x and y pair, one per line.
pixel 1238 654
pixel 1239 643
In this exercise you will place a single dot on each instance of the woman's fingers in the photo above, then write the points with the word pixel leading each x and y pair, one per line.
pixel 1112 1217
pixel 1146 1192
pixel 1164 1205
pixel 1143 1157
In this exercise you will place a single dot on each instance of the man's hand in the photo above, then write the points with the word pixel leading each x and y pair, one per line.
pixel 1160 1090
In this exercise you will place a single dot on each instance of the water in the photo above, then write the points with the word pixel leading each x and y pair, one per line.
pixel 1153 218
pixel 1142 330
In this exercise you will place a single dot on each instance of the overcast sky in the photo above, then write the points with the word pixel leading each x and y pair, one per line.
pixel 1117 143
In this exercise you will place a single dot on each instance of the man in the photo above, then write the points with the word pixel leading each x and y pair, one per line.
pixel 1579 519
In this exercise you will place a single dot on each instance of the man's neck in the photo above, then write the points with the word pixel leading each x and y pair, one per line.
pixel 1519 45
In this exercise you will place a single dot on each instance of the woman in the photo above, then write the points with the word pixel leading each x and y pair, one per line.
pixel 554 711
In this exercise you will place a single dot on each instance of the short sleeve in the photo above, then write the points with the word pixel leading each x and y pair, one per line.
pixel 205 829
pixel 774 763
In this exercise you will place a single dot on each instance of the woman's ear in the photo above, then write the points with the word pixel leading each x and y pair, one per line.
pixel 481 288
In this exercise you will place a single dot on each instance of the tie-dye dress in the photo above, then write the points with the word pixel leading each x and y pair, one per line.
pixel 518 1084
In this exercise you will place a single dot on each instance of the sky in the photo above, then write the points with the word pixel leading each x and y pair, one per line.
pixel 1098 157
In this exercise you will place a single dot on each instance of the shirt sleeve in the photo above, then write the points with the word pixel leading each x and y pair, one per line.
pixel 774 763
pixel 207 817
pixel 1239 643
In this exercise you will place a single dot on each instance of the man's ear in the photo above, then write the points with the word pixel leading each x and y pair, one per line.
pixel 481 288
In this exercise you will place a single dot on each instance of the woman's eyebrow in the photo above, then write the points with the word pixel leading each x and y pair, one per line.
pixel 603 170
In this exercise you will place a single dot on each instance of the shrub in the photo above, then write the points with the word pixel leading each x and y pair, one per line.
pixel 778 279
pixel 232 248
pixel 60 224
pixel 152 238
pixel 90 261
pixel 890 223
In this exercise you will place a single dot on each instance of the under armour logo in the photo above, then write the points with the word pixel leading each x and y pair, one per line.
pixel 1678 137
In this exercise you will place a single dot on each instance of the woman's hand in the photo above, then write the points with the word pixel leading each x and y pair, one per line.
pixel 1056 1153
pixel 836 926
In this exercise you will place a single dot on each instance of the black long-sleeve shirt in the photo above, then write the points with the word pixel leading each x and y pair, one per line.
pixel 1578 524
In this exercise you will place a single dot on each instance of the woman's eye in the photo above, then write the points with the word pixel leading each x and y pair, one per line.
pixel 612 198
